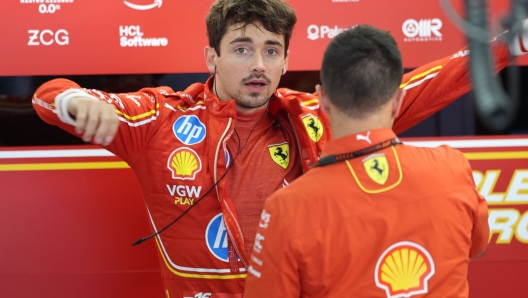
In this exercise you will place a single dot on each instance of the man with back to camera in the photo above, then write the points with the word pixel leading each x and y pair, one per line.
pixel 375 218
pixel 181 144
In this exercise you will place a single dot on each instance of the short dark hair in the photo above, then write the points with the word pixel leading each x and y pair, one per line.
pixel 362 69
pixel 275 15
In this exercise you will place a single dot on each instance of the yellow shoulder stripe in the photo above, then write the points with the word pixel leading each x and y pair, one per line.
pixel 309 102
pixel 144 115
pixel 423 74
pixel 88 165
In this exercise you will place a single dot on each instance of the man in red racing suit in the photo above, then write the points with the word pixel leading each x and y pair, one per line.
pixel 181 144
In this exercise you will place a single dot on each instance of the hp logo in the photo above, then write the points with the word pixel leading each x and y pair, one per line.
pixel 189 130
pixel 216 238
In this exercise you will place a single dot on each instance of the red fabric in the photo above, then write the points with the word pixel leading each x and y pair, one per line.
pixel 255 174
pixel 335 230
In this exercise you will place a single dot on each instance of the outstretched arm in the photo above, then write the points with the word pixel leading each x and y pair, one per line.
pixel 122 122
pixel 435 85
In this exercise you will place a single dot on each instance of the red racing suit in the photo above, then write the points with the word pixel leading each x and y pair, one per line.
pixel 175 142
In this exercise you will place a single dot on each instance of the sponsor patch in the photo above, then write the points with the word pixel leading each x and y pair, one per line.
pixel 189 130
pixel 133 36
pixel 184 194
pixel 280 153
pixel 377 168
pixel 216 238
pixel 196 294
pixel 404 269
pixel 313 127
pixel 423 30
pixel 184 164
pixel 265 218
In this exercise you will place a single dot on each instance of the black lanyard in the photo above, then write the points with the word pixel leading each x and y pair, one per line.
pixel 331 159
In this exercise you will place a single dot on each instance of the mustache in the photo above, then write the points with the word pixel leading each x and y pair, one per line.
pixel 256 76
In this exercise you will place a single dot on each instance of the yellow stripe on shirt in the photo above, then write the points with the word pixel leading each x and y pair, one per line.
pixel 423 74
pixel 144 115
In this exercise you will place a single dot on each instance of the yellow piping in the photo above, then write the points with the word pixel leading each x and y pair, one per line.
pixel 383 189
pixel 423 74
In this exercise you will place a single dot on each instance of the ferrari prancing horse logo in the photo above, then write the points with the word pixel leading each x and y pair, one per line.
pixel 313 127
pixel 280 153
pixel 377 168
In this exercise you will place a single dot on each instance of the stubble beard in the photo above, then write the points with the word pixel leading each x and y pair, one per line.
pixel 252 100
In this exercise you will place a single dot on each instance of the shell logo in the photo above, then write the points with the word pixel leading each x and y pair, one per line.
pixel 184 164
pixel 404 269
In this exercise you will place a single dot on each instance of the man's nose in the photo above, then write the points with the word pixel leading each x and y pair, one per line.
pixel 258 64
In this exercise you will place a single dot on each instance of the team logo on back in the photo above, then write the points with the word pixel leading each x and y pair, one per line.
pixel 313 127
pixel 216 238
pixel 189 130
pixel 404 269
pixel 184 164
pixel 280 153
pixel 377 168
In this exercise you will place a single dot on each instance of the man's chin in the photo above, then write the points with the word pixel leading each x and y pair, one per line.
pixel 253 101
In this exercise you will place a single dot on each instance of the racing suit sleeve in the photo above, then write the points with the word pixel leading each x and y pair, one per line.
pixel 273 269
pixel 435 85
pixel 136 111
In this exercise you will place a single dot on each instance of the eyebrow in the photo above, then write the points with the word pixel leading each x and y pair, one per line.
pixel 249 40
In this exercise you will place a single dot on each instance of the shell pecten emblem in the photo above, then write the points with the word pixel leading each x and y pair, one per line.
pixel 184 164
pixel 404 269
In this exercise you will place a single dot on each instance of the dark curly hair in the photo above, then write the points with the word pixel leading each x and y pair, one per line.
pixel 275 15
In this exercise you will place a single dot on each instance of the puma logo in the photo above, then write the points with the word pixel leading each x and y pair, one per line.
pixel 364 138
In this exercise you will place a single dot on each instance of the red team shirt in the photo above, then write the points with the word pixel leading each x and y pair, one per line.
pixel 248 187
pixel 399 222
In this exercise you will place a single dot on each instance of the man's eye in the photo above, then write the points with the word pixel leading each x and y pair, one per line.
pixel 272 52
pixel 241 50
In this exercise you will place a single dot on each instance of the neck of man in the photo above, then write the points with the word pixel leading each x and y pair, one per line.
pixel 343 125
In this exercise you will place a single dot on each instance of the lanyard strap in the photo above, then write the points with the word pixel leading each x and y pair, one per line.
pixel 331 159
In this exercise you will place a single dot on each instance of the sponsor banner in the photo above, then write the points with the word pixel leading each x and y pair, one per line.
pixel 168 36
pixel 500 171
